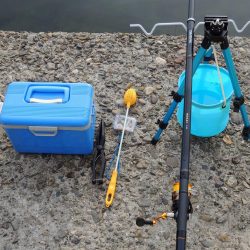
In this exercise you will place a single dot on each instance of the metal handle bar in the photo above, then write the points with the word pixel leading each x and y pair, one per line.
pixel 158 25
pixel 237 29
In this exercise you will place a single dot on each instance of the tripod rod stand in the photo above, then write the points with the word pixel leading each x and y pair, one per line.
pixel 215 32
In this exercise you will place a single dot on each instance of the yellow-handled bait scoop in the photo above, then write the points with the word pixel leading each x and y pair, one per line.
pixel 129 100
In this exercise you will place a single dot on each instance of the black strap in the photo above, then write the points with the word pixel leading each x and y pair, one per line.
pixel 99 160
pixel 238 101
pixel 246 133
pixel 177 97
pixel 161 124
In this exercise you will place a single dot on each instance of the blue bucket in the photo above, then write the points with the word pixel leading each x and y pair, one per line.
pixel 209 118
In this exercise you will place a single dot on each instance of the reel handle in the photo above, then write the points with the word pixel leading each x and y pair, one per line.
pixel 140 222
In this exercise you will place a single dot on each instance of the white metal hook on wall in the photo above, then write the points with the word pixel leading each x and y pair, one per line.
pixel 181 24
pixel 158 25
pixel 236 27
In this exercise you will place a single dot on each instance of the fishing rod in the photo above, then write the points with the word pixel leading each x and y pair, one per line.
pixel 183 206
pixel 181 194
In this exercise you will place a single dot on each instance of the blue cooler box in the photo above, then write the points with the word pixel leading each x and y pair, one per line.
pixel 54 118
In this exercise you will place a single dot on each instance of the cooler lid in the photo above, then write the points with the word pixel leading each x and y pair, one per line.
pixel 48 104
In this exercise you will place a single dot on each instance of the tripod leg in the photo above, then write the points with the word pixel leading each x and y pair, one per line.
pixel 239 98
pixel 177 98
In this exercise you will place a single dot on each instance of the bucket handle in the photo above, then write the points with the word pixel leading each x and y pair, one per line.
pixel 220 78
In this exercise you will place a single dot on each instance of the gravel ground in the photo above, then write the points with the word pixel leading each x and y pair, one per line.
pixel 49 202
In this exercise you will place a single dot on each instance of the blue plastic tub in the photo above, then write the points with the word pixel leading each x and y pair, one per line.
pixel 209 118
pixel 49 117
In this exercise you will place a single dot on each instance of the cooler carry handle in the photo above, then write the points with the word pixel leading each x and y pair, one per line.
pixel 43 131
pixel 37 100
pixel 47 94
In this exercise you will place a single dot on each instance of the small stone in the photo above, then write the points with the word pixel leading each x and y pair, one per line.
pixel 145 202
pixel 115 111
pixel 30 37
pixel 236 118
pixel 181 52
pixel 120 102
pixel 62 233
pixel 129 85
pixel 41 183
pixel 173 162
pixel 221 219
pixel 141 165
pixel 244 201
pixel 58 193
pixel 149 90
pixel 75 240
pixel 15 224
pixel 88 242
pixel 158 42
pixel 152 66
pixel 70 174
pixel 165 200
pixel 218 183
pixel 232 181
pixel 51 65
pixel 5 225
pixel 173 135
pixel 75 71
pixel 227 139
pixel 142 101
pixel 166 235
pixel 204 167
pixel 96 216
pixel 158 87
pixel 79 46
pixel 224 237
pixel 2 98
pixel 160 61
pixel 78 194
pixel 7 246
pixel 179 60
pixel 89 60
pixel 3 146
pixel 23 52
pixel 154 99
pixel 14 241
pixel 206 217
pixel 245 184
pixel 51 181
pixel 147 138
pixel 243 246
pixel 207 243
pixel 236 160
